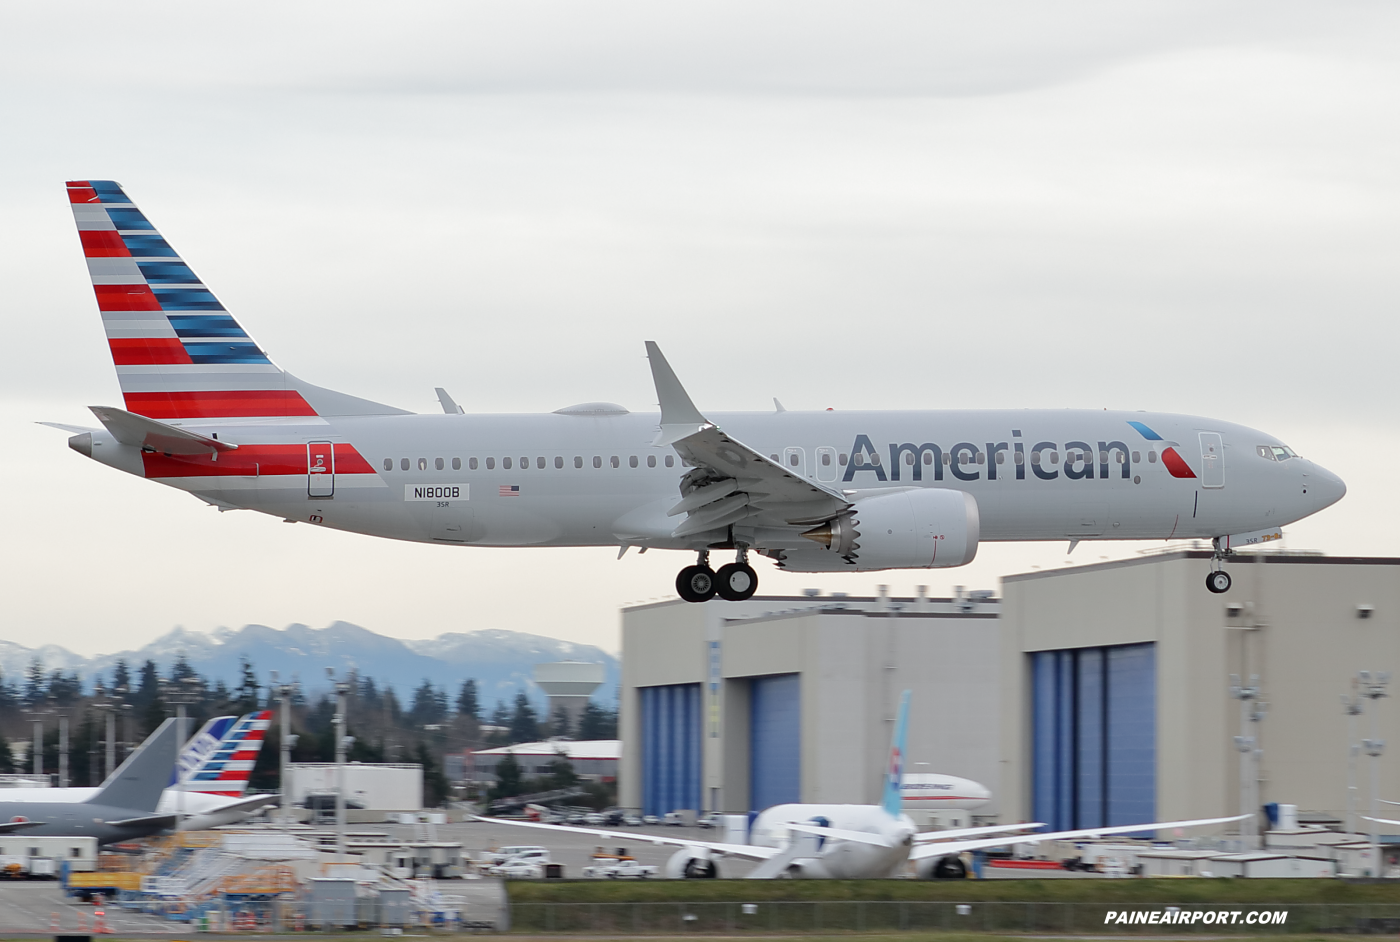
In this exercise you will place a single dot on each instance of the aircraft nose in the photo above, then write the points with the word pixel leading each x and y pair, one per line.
pixel 1322 486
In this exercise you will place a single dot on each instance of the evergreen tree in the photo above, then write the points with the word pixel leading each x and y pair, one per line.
pixel 561 772
pixel 467 704
pixel 147 687
pixel 435 787
pixel 121 676
pixel 559 724
pixel 597 723
pixel 35 689
pixel 508 779
pixel 425 705
pixel 7 760
pixel 524 723
pixel 246 693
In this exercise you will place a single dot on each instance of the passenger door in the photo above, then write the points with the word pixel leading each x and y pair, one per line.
pixel 795 461
pixel 826 464
pixel 1212 460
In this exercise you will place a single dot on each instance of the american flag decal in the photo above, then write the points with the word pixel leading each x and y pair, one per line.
pixel 510 490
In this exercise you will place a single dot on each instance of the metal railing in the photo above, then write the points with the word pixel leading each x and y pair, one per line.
pixel 882 916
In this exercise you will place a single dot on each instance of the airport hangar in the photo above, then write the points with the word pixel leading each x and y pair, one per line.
pixel 1087 696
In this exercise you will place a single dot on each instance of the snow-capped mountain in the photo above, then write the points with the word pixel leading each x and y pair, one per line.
pixel 500 661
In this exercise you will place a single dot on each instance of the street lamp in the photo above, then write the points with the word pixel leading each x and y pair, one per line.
pixel 342 688
pixel 1351 706
pixel 1371 685
pixel 284 694
pixel 181 693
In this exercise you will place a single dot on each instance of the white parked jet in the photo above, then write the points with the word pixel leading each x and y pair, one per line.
pixel 206 411
pixel 853 842
pixel 213 767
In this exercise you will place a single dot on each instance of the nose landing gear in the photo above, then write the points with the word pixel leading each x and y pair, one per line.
pixel 1218 580
pixel 734 582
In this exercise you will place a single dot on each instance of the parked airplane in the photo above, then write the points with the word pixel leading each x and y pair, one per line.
pixel 208 412
pixel 216 773
pixel 852 842
pixel 122 809
pixel 930 791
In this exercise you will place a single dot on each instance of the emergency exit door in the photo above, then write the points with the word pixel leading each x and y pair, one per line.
pixel 320 469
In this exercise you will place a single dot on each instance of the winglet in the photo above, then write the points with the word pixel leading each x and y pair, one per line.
pixel 449 405
pixel 893 799
pixel 679 417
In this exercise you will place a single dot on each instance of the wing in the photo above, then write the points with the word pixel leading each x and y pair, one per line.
pixel 925 837
pixel 714 847
pixel 957 847
pixel 729 482
pixel 10 827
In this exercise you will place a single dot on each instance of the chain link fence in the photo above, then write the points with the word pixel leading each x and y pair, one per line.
pixel 880 916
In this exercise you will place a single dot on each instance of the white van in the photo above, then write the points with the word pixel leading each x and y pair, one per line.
pixel 531 852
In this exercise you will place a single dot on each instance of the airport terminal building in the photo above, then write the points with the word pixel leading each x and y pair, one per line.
pixel 1087 696
pixel 733 707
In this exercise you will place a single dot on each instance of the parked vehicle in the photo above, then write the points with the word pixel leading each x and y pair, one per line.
pixel 519 870
pixel 708 821
pixel 650 819
pixel 620 870
pixel 533 851
pixel 679 819
pixel 632 820
pixel 595 820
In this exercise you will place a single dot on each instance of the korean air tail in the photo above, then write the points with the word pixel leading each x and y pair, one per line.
pixel 179 353
pixel 225 769
pixel 892 798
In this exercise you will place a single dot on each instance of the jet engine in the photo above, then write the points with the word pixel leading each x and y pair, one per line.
pixel 948 867
pixel 691 864
pixel 908 528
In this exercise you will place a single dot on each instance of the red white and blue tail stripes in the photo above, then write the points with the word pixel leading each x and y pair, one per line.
pixel 226 770
pixel 1175 464
pixel 179 354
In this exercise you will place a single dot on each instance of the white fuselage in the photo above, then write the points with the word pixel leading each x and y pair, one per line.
pixel 596 479
pixel 201 811
pixel 929 791
pixel 839 859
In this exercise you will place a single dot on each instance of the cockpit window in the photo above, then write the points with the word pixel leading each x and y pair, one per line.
pixel 1276 452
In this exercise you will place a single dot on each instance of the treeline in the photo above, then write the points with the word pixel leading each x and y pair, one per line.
pixel 383 730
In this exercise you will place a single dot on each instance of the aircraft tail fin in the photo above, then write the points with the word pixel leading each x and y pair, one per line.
pixel 226 769
pixel 179 353
pixel 892 798
pixel 137 784
pixel 200 745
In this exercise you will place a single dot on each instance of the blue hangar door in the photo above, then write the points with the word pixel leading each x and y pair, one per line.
pixel 775 740
pixel 670 748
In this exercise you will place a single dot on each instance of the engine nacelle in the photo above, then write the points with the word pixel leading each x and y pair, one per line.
pixel 908 528
pixel 948 867
pixel 688 864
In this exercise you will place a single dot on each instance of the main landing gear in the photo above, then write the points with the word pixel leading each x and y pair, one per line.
pixel 1218 580
pixel 734 582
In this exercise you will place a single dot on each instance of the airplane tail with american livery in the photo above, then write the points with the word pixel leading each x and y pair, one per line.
pixel 205 409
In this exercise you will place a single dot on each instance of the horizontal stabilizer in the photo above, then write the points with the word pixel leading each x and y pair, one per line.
pixel 65 427
pixel 147 821
pixel 10 827
pixel 841 834
pixel 141 432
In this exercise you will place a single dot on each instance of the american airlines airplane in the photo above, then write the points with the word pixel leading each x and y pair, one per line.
pixel 854 842
pixel 213 768
pixel 208 412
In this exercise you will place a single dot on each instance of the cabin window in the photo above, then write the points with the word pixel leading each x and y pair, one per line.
pixel 841 459
pixel 403 463
pixel 774 457
pixel 1120 457
pixel 826 459
pixel 615 461
pixel 632 461
pixel 1103 458
pixel 578 461
pixel 505 463
pixel 1001 457
pixel 559 461
pixel 597 461
pixel 670 461
pixel 490 464
pixel 388 464
pixel 1035 458
pixel 1020 457
pixel 651 461
pixel 1054 457
pixel 456 464
pixel 981 458
pixel 1151 457
pixel 908 457
pixel 438 464
pixel 928 457
pixel 422 464
pixel 859 459
pixel 539 463
pixel 524 463
pixel 1137 457
pixel 472 464
pixel 875 459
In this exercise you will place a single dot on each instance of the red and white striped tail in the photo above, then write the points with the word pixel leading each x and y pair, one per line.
pixel 227 769
pixel 179 354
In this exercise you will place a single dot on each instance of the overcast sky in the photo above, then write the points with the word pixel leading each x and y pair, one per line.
pixel 1173 206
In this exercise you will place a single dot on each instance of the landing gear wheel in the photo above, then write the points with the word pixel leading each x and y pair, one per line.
pixel 736 582
pixel 1218 581
pixel 696 584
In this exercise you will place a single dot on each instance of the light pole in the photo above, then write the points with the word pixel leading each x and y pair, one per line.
pixel 62 747
pixel 1246 744
pixel 1351 706
pixel 181 693
pixel 37 716
pixel 285 693
pixel 1372 687
pixel 342 687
